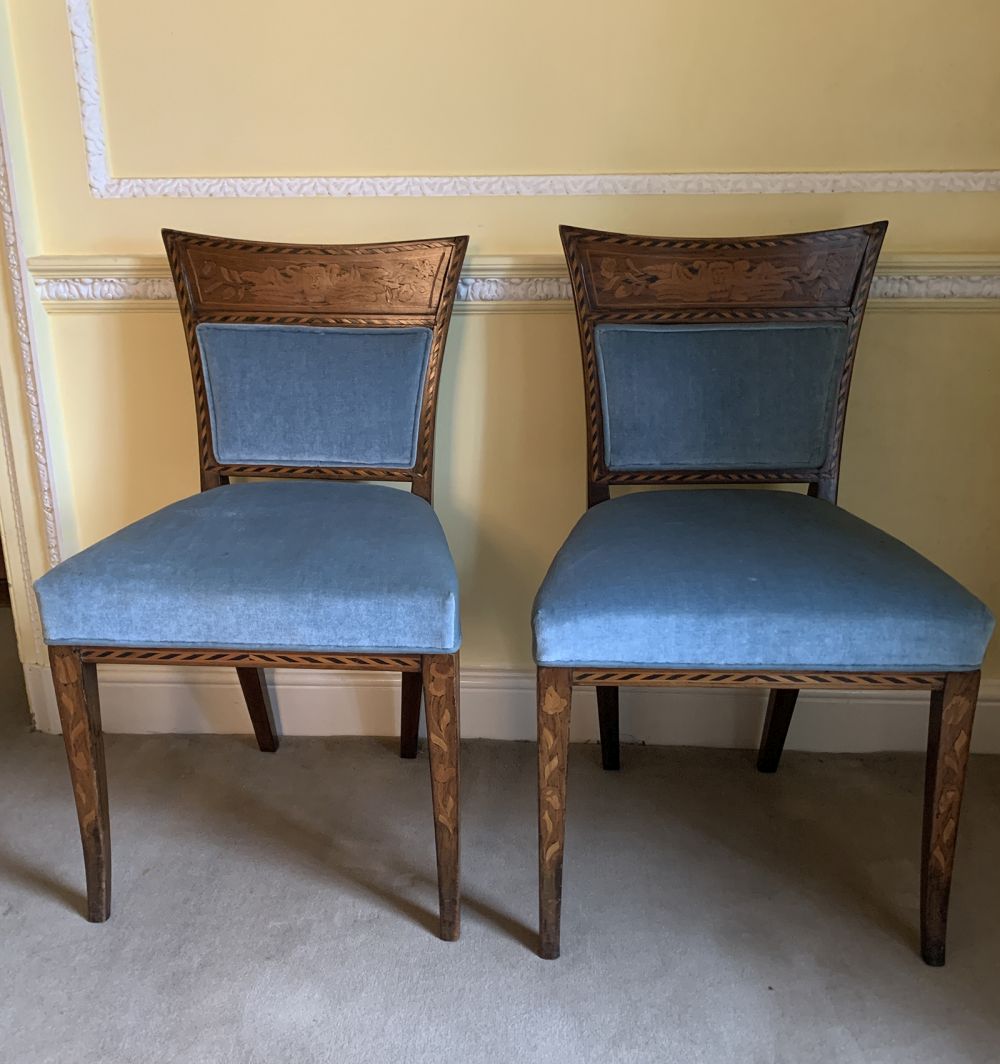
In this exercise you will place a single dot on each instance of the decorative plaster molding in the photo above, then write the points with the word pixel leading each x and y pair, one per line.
pixel 103 289
pixel 104 186
pixel 20 294
pixel 925 286
pixel 88 87
pixel 514 290
pixel 497 282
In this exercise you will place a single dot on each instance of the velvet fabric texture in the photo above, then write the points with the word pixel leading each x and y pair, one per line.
pixel 305 395
pixel 719 396
pixel 284 565
pixel 724 578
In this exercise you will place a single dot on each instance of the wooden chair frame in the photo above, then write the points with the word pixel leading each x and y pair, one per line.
pixel 359 285
pixel 822 276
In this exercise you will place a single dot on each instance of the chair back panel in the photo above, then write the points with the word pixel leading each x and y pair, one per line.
pixel 761 273
pixel 718 360
pixel 301 396
pixel 315 360
pixel 370 279
pixel 718 396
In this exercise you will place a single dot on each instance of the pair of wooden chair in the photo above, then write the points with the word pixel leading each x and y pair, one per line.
pixel 706 363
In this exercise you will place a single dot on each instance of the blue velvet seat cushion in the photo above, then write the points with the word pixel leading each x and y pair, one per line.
pixel 719 396
pixel 305 565
pixel 745 579
pixel 314 395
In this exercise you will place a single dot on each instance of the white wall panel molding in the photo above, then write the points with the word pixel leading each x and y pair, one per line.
pixel 511 283
pixel 21 294
pixel 104 186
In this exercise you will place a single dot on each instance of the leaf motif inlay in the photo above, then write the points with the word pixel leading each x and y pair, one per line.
pixel 817 278
pixel 397 282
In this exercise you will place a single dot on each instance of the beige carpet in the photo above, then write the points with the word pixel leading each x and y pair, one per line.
pixel 280 908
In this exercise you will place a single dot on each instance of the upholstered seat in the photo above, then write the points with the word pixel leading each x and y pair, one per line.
pixel 731 578
pixel 303 565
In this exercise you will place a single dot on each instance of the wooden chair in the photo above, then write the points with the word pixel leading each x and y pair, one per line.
pixel 315 369
pixel 728 362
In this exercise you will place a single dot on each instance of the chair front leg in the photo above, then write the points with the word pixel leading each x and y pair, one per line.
pixel 75 685
pixel 555 699
pixel 780 706
pixel 440 681
pixel 948 739
pixel 607 719
pixel 258 701
pixel 409 717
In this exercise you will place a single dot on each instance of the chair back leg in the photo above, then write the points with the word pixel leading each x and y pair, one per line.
pixel 780 706
pixel 607 719
pixel 80 713
pixel 258 702
pixel 948 740
pixel 440 682
pixel 409 718
pixel 555 701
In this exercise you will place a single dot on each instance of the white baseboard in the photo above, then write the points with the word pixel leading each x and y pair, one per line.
pixel 499 704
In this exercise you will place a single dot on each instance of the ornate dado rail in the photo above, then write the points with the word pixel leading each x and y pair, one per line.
pixel 503 283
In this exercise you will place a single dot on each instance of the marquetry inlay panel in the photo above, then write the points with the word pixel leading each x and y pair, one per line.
pixel 363 281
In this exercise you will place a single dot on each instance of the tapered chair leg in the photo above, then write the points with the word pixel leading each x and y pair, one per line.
pixel 80 713
pixel 780 706
pixel 555 699
pixel 440 681
pixel 948 738
pixel 259 704
pixel 409 719
pixel 607 718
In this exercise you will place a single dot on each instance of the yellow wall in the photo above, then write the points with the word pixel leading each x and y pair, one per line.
pixel 213 88
pixel 560 86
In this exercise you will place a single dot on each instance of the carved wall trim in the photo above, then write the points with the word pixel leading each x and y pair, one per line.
pixel 104 186
pixel 20 298
pixel 494 282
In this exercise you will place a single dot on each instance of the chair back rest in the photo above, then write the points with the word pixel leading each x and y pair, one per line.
pixel 315 360
pixel 718 360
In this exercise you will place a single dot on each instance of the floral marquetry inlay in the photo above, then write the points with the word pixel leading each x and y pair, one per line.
pixel 407 282
pixel 819 278
pixel 730 281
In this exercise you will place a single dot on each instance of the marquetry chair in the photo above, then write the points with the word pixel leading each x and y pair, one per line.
pixel 727 362
pixel 315 370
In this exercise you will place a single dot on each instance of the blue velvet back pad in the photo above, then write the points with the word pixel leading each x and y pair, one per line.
pixel 719 396
pixel 311 395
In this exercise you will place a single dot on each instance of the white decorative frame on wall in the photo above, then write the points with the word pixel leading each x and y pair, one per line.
pixel 20 300
pixel 104 186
